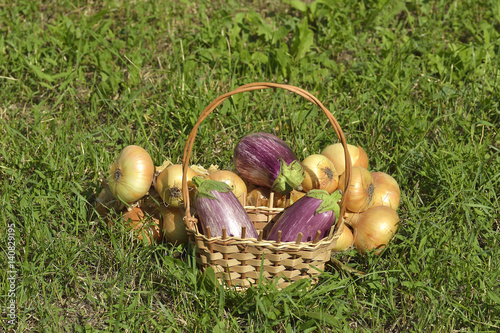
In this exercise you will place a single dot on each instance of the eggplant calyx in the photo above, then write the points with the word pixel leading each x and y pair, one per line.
pixel 328 201
pixel 289 178
pixel 206 186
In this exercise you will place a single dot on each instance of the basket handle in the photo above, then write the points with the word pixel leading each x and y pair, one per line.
pixel 250 87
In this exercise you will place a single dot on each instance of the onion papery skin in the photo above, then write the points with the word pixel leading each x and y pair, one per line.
pixel 360 191
pixel 200 170
pixel 145 228
pixel 131 174
pixel 351 218
pixel 173 225
pixel 319 174
pixel 265 160
pixel 386 190
pixel 107 205
pixel 220 209
pixel 280 200
pixel 375 228
pixel 235 182
pixel 345 240
pixel 335 153
pixel 258 197
pixel 169 185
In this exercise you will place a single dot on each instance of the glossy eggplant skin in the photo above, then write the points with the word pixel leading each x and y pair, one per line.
pixel 261 158
pixel 223 210
pixel 302 217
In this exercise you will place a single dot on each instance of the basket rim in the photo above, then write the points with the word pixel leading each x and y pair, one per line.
pixel 188 219
pixel 271 245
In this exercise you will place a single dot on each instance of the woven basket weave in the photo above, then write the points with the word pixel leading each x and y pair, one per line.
pixel 242 262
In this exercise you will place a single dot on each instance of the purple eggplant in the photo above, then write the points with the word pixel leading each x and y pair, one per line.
pixel 218 208
pixel 317 210
pixel 265 160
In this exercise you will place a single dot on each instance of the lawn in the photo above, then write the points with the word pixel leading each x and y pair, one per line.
pixel 415 83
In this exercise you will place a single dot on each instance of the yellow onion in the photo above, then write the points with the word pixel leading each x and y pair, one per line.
pixel 375 228
pixel 173 225
pixel 345 240
pixel 319 174
pixel 235 182
pixel 169 185
pixel 335 153
pixel 131 174
pixel 360 191
pixel 146 228
pixel 386 190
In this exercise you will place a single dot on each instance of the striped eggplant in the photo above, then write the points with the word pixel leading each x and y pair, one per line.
pixel 218 208
pixel 317 210
pixel 265 160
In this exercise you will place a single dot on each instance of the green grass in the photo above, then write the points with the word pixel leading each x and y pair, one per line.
pixel 416 83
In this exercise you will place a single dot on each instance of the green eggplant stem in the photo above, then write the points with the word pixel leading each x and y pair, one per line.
pixel 328 201
pixel 205 186
pixel 289 178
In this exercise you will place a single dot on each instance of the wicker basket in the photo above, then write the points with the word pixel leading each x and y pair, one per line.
pixel 242 262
